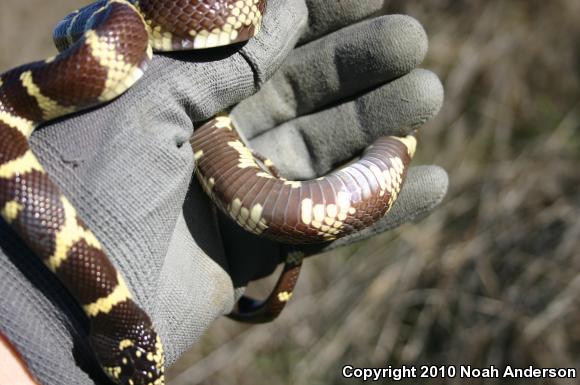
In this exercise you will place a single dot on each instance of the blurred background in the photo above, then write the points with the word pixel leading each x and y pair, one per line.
pixel 490 278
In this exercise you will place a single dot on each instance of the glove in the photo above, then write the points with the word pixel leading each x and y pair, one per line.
pixel 127 167
pixel 332 98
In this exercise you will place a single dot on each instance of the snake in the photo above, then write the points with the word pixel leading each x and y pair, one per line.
pixel 104 49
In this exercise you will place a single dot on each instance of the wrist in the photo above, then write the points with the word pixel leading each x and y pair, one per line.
pixel 13 369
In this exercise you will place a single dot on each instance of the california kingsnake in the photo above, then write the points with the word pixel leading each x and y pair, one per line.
pixel 109 43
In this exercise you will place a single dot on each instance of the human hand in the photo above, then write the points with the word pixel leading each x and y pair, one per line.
pixel 332 98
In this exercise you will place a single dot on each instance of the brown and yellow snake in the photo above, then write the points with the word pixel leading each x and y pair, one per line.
pixel 105 48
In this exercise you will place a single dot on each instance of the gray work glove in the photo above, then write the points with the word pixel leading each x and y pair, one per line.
pixel 127 167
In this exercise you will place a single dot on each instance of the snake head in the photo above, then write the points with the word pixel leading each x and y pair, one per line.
pixel 128 348
pixel 137 364
pixel 141 367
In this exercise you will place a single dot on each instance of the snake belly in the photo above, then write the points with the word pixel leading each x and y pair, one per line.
pixel 299 212
pixel 247 189
pixel 105 48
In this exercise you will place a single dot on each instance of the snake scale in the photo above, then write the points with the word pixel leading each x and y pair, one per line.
pixel 104 49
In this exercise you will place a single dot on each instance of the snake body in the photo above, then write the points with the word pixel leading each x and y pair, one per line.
pixel 105 48
pixel 298 212
pixel 249 190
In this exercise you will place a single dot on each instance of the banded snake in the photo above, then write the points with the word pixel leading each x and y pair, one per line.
pixel 110 43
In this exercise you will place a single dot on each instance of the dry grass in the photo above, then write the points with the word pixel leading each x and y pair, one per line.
pixel 492 277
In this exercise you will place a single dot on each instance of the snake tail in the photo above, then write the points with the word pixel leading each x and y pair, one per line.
pixel 250 310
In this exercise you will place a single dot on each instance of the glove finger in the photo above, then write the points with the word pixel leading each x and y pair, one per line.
pixel 208 81
pixel 334 68
pixel 281 28
pixel 325 16
pixel 423 191
pixel 312 145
